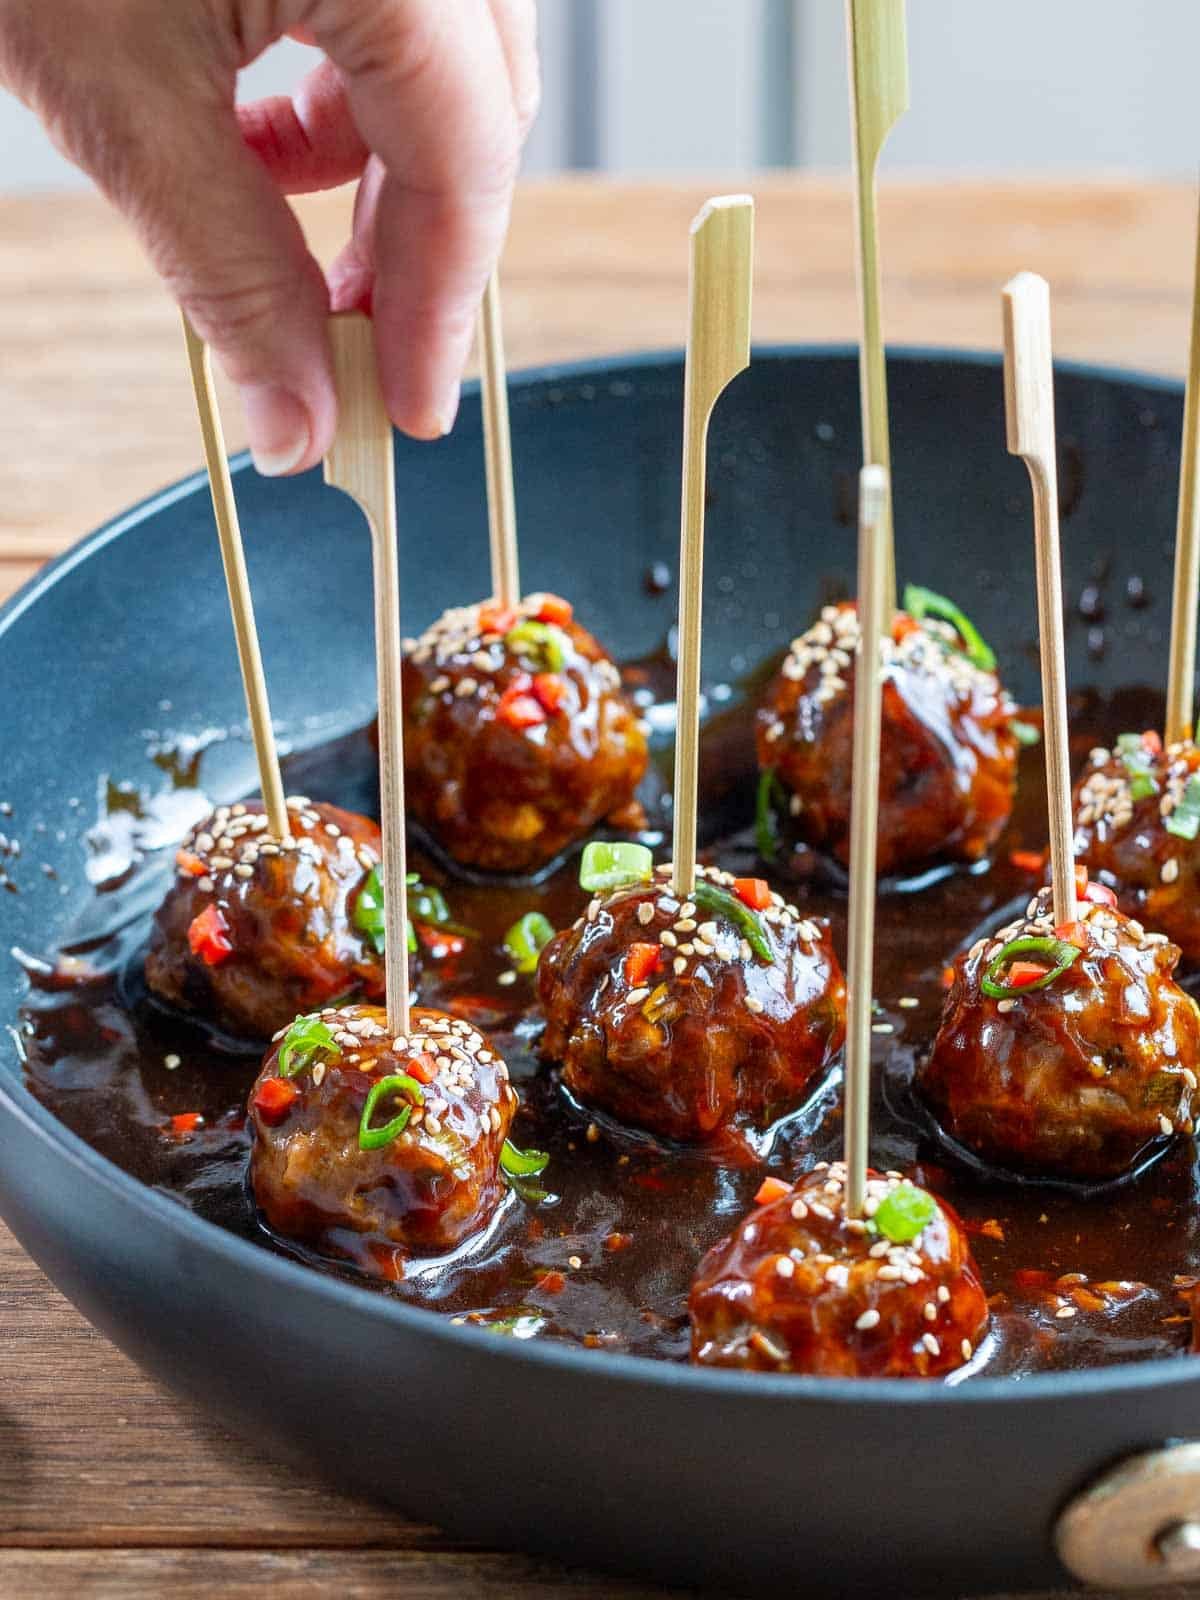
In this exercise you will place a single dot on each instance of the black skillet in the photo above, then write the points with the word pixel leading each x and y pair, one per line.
pixel 659 1470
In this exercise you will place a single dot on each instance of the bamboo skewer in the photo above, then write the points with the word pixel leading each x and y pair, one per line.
pixel 497 449
pixel 718 348
pixel 878 53
pixel 1029 418
pixel 360 463
pixel 864 826
pixel 1185 595
pixel 241 604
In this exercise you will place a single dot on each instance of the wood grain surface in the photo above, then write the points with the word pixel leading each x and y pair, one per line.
pixel 108 1486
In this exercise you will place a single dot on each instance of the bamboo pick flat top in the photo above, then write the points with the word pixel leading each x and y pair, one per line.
pixel 864 826
pixel 1029 418
pixel 237 581
pixel 497 449
pixel 1181 674
pixel 718 348
pixel 360 462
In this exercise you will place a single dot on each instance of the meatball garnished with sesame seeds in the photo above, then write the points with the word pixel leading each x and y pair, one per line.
pixel 371 1147
pixel 1137 824
pixel 518 737
pixel 948 756
pixel 801 1287
pixel 1066 1052
pixel 695 1018
pixel 256 929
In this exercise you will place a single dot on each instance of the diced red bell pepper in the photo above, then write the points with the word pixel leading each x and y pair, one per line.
pixel 554 609
pixel 552 1282
pixel 189 864
pixel 185 1122
pixel 1151 742
pixel 439 941
pixel 423 1068
pixel 273 1099
pixel 753 892
pixel 947 977
pixel 640 961
pixel 1073 933
pixel 903 625
pixel 519 707
pixel 1028 860
pixel 549 688
pixel 1099 894
pixel 1022 973
pixel 208 936
pixel 495 618
pixel 771 1189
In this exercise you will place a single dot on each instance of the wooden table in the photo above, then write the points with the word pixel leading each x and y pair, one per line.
pixel 108 1486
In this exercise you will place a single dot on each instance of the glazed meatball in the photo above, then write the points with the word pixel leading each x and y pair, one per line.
pixel 800 1287
pixel 371 1147
pixel 1137 810
pixel 696 1018
pixel 518 738
pixel 1066 1053
pixel 256 929
pixel 948 755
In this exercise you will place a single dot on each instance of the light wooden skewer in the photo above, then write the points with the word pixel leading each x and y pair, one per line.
pixel 1029 418
pixel 233 558
pixel 718 348
pixel 878 51
pixel 1182 672
pixel 360 463
pixel 864 826
pixel 497 449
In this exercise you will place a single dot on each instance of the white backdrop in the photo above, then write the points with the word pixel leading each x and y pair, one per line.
pixel 652 86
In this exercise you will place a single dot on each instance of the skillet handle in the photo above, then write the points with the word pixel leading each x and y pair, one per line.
pixel 1138 1525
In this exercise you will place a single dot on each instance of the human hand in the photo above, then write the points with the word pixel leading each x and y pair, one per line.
pixel 428 101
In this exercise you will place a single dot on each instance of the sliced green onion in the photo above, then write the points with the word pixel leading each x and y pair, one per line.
pixel 904 1212
pixel 1139 764
pixel 608 866
pixel 1025 732
pixel 748 923
pixel 540 643
pixel 772 797
pixel 526 940
pixel 306 1038
pixel 426 902
pixel 919 603
pixel 368 915
pixel 370 1138
pixel 1184 821
pixel 1056 954
pixel 522 1163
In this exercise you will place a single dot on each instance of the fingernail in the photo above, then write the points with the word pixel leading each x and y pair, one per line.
pixel 278 426
pixel 447 414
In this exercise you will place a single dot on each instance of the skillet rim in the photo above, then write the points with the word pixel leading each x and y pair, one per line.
pixel 40 1124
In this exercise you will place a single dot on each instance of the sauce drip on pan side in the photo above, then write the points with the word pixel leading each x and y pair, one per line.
pixel 606 1259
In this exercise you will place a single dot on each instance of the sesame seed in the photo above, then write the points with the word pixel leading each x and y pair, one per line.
pixel 679 966
pixel 929 1340
pixel 1064 1313
pixel 575 1262
pixel 930 1312
pixel 943 1293
pixel 668 938
pixel 785 1266
pixel 645 912
pixel 318 1074
pixel 1005 1006
pixel 686 925
pixel 908 1002
pixel 221 863
pixel 869 1319
pixel 799 1210
pixel 1166 1127
pixel 754 1004
pixel 506 978
pixel 636 996
pixel 882 1027
pixel 171 1062
pixel 1170 870
pixel 702 947
pixel 243 870
pixel 967 1349
pixel 593 1133
pixel 205 885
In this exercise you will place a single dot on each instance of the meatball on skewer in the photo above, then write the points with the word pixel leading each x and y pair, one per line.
pixel 689 1018
pixel 948 752
pixel 800 1286
pixel 374 1147
pixel 518 737
pixel 256 928
pixel 1066 1052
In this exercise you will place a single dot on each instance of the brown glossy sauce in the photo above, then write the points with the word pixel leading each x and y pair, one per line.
pixel 634 1216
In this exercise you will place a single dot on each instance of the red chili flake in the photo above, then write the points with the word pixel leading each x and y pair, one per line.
pixel 185 1122
pixel 273 1099
pixel 555 610
pixel 208 936
pixel 753 892
pixel 771 1189
pixel 551 1282
pixel 1028 860
pixel 189 864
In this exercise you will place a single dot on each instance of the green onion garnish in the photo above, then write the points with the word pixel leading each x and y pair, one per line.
pixel 1025 732
pixel 748 923
pixel 370 1138
pixel 425 901
pixel 522 1163
pixel 920 603
pixel 904 1212
pixel 771 799
pixel 608 866
pixel 1139 764
pixel 1184 821
pixel 1056 955
pixel 540 643
pixel 307 1037
pixel 526 939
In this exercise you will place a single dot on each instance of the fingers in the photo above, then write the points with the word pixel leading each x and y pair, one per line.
pixel 309 141
pixel 428 86
pixel 516 26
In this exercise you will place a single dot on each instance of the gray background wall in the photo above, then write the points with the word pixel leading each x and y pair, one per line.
pixel 661 86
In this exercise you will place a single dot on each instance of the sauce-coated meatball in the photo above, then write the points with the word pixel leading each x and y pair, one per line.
pixel 1134 827
pixel 255 929
pixel 518 738
pixel 801 1287
pixel 664 1015
pixel 1077 1077
pixel 415 1169
pixel 948 756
